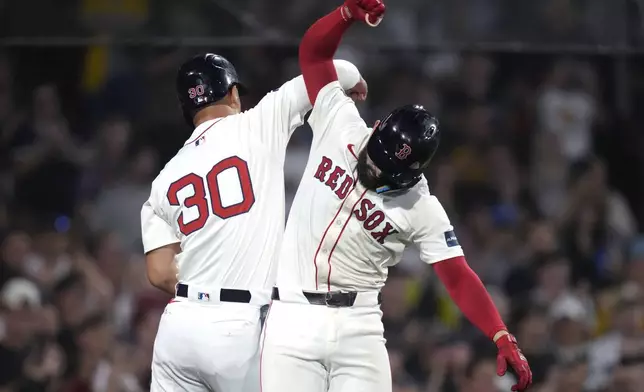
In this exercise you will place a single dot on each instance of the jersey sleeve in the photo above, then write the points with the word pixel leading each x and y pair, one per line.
pixel 283 110
pixel 433 232
pixel 333 111
pixel 155 231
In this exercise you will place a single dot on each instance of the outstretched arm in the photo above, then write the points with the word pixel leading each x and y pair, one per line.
pixel 439 247
pixel 468 293
pixel 322 39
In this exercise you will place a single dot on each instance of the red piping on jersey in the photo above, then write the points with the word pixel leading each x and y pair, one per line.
pixel 324 235
pixel 328 278
pixel 204 131
pixel 350 148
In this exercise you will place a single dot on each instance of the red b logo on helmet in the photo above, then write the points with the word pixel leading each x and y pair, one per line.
pixel 404 152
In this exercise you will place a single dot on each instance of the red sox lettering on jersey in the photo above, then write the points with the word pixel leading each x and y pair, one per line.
pixel 340 181
pixel 341 236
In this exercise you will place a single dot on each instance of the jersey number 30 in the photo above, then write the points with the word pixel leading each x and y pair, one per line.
pixel 200 199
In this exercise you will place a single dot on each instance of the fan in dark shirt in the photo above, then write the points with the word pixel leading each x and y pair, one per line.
pixel 45 158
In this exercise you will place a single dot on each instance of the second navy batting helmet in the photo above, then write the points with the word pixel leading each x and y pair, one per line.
pixel 402 145
pixel 203 80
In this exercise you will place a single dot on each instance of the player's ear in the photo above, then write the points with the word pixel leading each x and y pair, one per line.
pixel 235 101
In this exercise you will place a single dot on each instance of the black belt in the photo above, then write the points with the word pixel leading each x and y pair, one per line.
pixel 225 295
pixel 338 299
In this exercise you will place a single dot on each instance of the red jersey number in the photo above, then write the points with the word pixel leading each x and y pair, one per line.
pixel 200 200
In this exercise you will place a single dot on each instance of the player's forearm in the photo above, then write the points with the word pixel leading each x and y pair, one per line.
pixel 167 285
pixel 469 294
pixel 162 269
pixel 164 280
pixel 317 48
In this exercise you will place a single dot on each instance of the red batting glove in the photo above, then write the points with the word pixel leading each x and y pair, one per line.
pixel 362 9
pixel 509 353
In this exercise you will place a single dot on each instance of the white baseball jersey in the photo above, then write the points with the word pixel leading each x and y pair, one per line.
pixel 222 195
pixel 341 236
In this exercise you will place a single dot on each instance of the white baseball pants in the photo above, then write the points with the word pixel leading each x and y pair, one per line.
pixel 207 347
pixel 315 348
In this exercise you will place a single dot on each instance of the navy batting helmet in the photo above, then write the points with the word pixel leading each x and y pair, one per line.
pixel 402 146
pixel 203 80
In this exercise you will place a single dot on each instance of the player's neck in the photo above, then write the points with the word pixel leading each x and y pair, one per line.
pixel 212 113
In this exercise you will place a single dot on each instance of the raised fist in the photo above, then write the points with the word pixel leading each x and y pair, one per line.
pixel 369 11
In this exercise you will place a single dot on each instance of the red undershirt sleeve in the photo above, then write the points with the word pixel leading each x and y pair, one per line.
pixel 319 44
pixel 468 293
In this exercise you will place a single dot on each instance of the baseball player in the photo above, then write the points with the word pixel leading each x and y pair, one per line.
pixel 213 225
pixel 362 200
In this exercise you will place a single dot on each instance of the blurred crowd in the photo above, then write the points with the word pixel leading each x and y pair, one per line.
pixel 538 169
